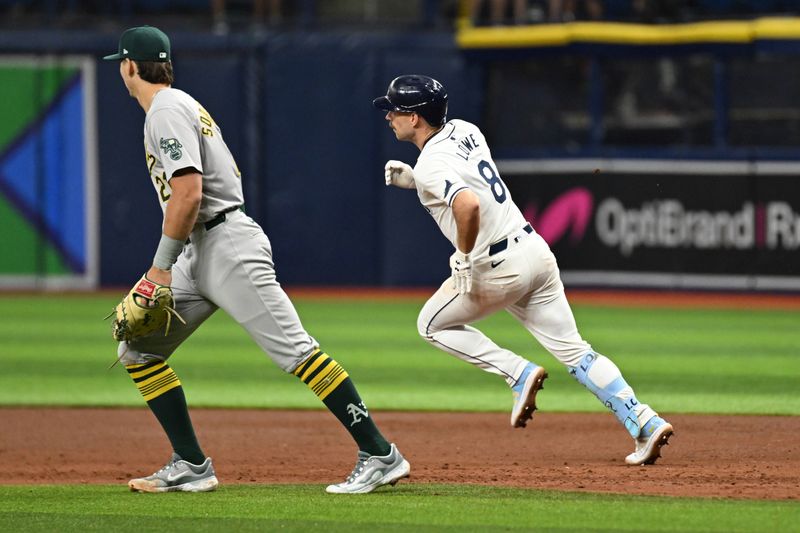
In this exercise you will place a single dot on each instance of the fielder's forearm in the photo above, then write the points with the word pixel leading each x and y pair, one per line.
pixel 467 214
pixel 179 219
pixel 183 206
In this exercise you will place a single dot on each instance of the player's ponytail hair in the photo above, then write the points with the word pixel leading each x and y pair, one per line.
pixel 159 72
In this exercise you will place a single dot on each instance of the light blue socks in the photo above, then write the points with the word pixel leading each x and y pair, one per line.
pixel 601 376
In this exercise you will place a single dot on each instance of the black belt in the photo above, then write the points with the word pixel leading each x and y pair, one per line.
pixel 220 218
pixel 501 245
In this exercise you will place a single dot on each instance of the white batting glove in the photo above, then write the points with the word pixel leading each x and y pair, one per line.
pixel 399 174
pixel 462 272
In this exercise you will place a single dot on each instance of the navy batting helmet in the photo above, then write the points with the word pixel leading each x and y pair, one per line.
pixel 415 93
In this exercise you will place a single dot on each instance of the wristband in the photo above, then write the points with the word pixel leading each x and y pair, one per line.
pixel 167 252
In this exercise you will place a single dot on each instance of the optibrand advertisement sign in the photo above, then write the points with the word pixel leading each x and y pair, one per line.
pixel 674 224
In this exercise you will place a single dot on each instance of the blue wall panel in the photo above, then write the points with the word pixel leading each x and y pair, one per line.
pixel 329 217
pixel 130 217
pixel 320 189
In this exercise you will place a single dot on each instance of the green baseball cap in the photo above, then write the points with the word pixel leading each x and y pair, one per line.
pixel 144 43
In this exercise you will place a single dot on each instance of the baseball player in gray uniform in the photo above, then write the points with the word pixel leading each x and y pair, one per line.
pixel 500 262
pixel 214 256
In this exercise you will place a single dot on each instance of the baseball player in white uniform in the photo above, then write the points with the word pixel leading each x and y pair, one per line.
pixel 214 256
pixel 499 262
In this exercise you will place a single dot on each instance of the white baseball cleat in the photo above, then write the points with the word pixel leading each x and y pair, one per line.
pixel 655 434
pixel 373 471
pixel 178 476
pixel 528 384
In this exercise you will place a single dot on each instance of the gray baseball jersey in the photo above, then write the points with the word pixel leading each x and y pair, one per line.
pixel 512 266
pixel 227 262
pixel 179 133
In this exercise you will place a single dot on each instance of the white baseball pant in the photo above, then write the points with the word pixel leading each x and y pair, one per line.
pixel 522 279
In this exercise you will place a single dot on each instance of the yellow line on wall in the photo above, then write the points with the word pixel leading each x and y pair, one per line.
pixel 548 35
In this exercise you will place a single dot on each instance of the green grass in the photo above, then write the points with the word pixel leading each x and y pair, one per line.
pixel 56 350
pixel 407 507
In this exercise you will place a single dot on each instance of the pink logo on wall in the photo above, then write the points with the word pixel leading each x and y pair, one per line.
pixel 569 211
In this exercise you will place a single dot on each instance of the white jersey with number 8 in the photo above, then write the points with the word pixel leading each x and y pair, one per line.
pixel 458 158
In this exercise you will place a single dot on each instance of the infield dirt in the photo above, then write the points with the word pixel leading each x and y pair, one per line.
pixel 753 457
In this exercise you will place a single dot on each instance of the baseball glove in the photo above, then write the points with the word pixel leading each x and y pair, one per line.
pixel 146 309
